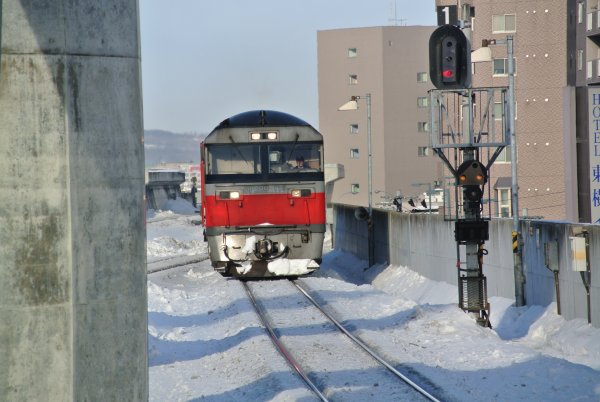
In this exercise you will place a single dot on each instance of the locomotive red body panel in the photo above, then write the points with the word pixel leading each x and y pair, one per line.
pixel 263 195
pixel 276 209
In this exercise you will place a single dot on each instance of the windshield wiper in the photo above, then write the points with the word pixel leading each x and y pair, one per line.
pixel 293 146
pixel 240 152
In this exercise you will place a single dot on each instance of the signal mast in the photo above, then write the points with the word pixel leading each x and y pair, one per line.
pixel 467 132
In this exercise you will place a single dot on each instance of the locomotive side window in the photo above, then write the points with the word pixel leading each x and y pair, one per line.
pixel 233 159
pixel 295 157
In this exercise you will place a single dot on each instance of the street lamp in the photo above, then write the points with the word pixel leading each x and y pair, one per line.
pixel 352 104
pixel 485 54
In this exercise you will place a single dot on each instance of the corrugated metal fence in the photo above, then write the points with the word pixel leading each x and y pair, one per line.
pixel 425 243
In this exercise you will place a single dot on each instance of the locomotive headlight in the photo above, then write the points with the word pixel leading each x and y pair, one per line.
pixel 264 135
pixel 297 193
pixel 229 195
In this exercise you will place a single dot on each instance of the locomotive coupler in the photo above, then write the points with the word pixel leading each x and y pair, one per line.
pixel 264 247
pixel 267 250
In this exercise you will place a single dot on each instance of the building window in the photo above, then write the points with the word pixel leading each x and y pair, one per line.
pixel 501 66
pixel 423 126
pixel 590 69
pixel 503 202
pixel 497 112
pixel 354 153
pixel 580 12
pixel 352 52
pixel 352 79
pixel 504 23
pixel 580 59
pixel 504 156
pixel 422 77
pixel 355 188
pixel 423 151
pixel 422 101
pixel 353 128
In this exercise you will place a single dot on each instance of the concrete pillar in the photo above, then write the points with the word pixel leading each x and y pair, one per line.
pixel 73 303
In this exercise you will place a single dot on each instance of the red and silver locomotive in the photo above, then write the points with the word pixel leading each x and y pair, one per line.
pixel 263 195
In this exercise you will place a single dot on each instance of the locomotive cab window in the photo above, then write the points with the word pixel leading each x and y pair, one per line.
pixel 233 159
pixel 290 158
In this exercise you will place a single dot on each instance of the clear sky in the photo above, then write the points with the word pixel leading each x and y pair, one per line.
pixel 206 60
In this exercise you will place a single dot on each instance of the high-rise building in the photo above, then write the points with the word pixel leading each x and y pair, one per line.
pixel 557 69
pixel 387 66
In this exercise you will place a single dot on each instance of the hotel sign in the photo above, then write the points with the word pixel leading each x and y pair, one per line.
pixel 594 146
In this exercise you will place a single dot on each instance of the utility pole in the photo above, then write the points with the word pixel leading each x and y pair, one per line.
pixel 516 234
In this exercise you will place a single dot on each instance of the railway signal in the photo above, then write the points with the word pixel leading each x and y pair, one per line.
pixel 449 58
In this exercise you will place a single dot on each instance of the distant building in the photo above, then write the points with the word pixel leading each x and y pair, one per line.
pixel 391 64
pixel 192 172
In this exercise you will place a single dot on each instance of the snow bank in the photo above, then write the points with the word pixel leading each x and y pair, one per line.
pixel 537 327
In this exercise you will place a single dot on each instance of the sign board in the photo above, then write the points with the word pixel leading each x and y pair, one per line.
pixel 447 15
pixel 578 253
pixel 594 147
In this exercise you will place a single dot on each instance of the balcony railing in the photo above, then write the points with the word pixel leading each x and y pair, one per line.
pixel 593 23
pixel 593 71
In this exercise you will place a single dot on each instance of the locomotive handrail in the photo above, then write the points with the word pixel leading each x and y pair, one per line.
pixel 268 230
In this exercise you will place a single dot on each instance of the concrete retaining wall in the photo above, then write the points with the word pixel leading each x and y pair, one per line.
pixel 425 243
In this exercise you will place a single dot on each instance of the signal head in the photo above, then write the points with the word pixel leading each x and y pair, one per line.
pixel 471 173
pixel 449 58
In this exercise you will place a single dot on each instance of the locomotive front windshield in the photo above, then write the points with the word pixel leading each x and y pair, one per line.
pixel 285 158
pixel 234 159
pixel 272 158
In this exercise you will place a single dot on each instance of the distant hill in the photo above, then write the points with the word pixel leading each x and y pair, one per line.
pixel 165 146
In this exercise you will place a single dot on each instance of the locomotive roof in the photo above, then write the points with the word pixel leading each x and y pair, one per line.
pixel 261 118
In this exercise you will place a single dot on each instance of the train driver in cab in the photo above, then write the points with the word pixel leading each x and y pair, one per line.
pixel 300 163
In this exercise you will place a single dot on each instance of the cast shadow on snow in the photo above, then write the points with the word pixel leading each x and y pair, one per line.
pixel 162 319
pixel 516 322
pixel 354 385
pixel 536 379
pixel 163 351
pixel 397 319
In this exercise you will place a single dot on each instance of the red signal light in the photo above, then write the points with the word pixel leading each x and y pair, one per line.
pixel 447 73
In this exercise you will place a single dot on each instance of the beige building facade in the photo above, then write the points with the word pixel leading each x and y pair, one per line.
pixel 556 52
pixel 557 96
pixel 391 65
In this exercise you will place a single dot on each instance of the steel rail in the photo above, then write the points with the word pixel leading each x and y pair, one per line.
pixel 284 352
pixel 365 347
pixel 166 264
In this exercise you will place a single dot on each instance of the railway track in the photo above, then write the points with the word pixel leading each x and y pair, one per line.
pixel 328 338
pixel 174 262
pixel 300 342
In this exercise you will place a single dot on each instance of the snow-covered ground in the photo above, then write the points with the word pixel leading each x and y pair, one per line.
pixel 206 343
